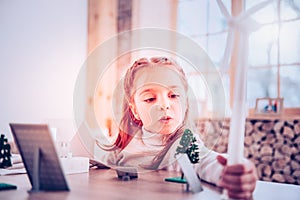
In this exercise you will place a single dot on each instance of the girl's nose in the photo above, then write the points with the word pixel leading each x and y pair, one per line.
pixel 165 103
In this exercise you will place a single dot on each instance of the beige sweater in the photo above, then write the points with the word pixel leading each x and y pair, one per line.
pixel 145 146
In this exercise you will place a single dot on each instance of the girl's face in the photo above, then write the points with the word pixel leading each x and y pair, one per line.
pixel 159 99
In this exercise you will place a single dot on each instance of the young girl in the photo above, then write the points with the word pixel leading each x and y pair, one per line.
pixel 156 111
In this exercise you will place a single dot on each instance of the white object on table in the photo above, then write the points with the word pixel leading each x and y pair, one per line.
pixel 189 172
pixel 75 165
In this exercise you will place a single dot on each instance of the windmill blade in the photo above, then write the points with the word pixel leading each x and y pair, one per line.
pixel 228 50
pixel 244 15
pixel 223 10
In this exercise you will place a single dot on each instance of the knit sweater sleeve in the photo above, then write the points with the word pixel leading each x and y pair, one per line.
pixel 208 167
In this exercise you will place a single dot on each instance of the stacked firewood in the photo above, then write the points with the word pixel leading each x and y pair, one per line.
pixel 273 145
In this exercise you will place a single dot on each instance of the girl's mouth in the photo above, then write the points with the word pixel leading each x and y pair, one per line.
pixel 165 119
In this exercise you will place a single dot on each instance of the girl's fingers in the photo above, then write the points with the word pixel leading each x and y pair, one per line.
pixel 221 160
pixel 239 168
pixel 241 195
pixel 238 188
pixel 239 180
pixel 232 179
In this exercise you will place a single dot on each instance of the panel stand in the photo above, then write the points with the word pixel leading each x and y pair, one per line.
pixel 36 171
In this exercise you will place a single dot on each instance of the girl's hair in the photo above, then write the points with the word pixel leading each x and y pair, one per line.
pixel 129 125
pixel 128 121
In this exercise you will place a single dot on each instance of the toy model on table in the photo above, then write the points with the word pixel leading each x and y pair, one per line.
pixel 187 154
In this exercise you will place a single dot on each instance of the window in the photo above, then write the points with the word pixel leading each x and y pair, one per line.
pixel 274 51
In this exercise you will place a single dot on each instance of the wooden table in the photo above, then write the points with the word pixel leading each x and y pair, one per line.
pixel 103 184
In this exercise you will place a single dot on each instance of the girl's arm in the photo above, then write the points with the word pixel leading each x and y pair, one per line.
pixel 208 168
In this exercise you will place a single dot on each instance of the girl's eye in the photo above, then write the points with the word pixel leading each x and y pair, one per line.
pixel 174 96
pixel 149 100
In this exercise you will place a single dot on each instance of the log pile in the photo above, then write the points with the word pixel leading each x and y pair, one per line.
pixel 272 145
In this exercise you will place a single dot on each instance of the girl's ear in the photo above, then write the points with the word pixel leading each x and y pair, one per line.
pixel 134 111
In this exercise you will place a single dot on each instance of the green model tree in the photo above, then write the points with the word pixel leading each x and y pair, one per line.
pixel 188 144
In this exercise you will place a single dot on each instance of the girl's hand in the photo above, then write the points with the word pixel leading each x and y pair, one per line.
pixel 239 180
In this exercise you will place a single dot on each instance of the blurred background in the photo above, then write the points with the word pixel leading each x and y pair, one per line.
pixel 44 44
pixel 47 74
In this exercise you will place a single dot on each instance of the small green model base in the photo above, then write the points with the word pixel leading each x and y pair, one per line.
pixel 7 186
pixel 176 180
pixel 179 180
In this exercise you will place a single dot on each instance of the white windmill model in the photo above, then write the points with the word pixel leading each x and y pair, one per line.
pixel 244 25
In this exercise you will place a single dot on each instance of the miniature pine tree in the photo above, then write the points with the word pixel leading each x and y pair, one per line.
pixel 193 152
pixel 188 145
pixel 5 154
